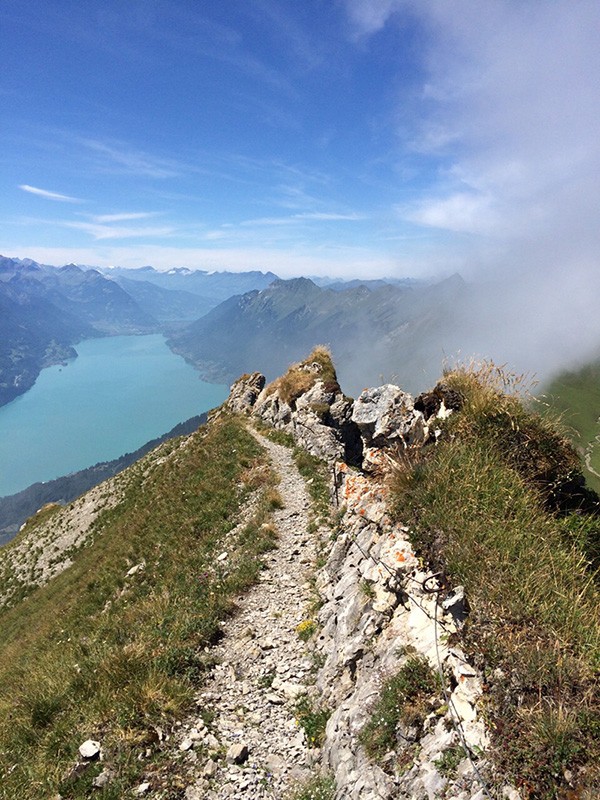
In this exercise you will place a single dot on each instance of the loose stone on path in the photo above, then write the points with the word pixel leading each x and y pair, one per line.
pixel 255 745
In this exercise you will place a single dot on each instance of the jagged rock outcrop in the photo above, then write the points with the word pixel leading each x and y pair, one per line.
pixel 386 415
pixel 381 605
pixel 333 427
pixel 244 392
pixel 319 418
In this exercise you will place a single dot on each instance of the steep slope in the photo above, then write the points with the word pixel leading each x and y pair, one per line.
pixel 370 332
pixel 123 592
pixel 34 333
pixel 16 508
pixel 576 396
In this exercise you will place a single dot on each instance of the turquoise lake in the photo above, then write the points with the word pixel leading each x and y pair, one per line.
pixel 119 393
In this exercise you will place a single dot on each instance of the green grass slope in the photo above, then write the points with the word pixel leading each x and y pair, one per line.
pixel 576 396
pixel 99 653
pixel 483 505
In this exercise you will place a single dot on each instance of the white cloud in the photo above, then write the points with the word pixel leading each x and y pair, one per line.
pixel 100 232
pixel 329 216
pixel 369 16
pixel 123 217
pixel 63 198
pixel 510 115
pixel 119 156
pixel 461 213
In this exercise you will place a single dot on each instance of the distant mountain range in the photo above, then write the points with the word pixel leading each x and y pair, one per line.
pixel 45 310
pixel 212 287
pixel 226 323
pixel 371 331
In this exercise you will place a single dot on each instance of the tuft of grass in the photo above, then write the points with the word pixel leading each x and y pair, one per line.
pixel 313 719
pixel 403 704
pixel 493 410
pixel 449 760
pixel 478 506
pixel 314 472
pixel 301 377
pixel 97 654
pixel 279 437
pixel 367 589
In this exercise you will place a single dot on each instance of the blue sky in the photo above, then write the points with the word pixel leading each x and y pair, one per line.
pixel 339 137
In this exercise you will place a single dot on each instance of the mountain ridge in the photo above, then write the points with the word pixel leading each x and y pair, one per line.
pixel 366 329
pixel 436 563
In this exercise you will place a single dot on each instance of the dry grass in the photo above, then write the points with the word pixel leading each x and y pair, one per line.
pixel 301 377
pixel 98 654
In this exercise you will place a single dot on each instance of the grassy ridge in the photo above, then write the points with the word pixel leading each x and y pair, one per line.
pixel 99 654
pixel 479 503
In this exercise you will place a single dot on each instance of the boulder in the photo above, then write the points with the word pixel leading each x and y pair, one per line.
pixel 318 398
pixel 386 416
pixel 316 438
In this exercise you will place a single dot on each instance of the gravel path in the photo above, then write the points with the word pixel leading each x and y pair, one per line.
pixel 263 668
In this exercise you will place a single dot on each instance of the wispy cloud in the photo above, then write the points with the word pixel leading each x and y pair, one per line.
pixel 123 217
pixel 99 232
pixel 62 198
pixel 326 216
pixel 133 161
pixel 305 216
pixel 368 17
pixel 248 223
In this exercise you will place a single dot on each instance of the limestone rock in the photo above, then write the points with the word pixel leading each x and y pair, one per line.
pixel 315 437
pixel 386 415
pixel 317 398
pixel 244 393
pixel 90 750
pixel 272 409
pixel 457 606
pixel 103 779
pixel 197 791
pixel 237 753
pixel 210 768
pixel 212 743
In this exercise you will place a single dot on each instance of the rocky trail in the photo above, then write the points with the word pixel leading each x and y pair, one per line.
pixel 262 669
pixel 380 610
